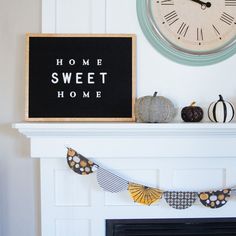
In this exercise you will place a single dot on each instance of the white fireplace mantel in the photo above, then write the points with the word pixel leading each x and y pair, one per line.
pixel 126 129
pixel 171 156
pixel 132 139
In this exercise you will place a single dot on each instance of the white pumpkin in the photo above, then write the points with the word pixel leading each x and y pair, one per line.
pixel 221 111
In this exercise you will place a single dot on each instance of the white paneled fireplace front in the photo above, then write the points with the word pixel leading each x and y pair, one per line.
pixel 169 156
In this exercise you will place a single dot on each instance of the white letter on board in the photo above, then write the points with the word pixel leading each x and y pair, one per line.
pixel 72 94
pixel 66 77
pixel 103 76
pixel 54 79
pixel 85 63
pixel 71 62
pixel 59 62
pixel 90 77
pixel 78 78
pixel 85 95
pixel 99 62
pixel 98 94
pixel 60 94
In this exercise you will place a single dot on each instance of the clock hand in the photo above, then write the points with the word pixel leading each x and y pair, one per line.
pixel 203 4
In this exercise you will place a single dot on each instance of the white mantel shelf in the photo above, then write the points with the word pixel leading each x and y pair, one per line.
pixel 117 129
pixel 103 140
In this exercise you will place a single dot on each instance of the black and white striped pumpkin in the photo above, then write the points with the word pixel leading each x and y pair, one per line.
pixel 221 111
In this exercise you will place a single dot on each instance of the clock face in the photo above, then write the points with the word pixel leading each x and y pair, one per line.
pixel 194 26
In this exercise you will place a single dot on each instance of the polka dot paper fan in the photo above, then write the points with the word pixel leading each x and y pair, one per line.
pixel 79 163
pixel 215 199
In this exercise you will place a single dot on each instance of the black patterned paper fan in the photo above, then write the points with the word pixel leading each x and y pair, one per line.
pixel 180 200
pixel 111 182
pixel 215 199
pixel 80 164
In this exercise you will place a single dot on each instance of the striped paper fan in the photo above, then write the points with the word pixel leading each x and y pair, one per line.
pixel 111 182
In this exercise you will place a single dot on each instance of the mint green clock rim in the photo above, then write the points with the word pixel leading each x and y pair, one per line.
pixel 180 57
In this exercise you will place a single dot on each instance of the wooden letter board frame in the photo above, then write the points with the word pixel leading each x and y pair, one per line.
pixel 80 77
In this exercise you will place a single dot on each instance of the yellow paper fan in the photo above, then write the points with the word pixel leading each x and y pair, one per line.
pixel 143 194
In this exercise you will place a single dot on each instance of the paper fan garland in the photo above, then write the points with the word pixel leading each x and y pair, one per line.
pixel 143 194
pixel 180 200
pixel 111 182
pixel 79 163
pixel 215 199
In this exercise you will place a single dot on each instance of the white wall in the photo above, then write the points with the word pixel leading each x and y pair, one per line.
pixel 19 181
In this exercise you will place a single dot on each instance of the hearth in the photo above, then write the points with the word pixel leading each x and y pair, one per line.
pixel 171 227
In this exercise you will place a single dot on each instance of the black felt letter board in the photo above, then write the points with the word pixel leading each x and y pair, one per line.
pixel 80 77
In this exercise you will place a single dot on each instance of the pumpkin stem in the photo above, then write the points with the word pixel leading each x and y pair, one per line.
pixel 155 94
pixel 192 104
pixel 221 98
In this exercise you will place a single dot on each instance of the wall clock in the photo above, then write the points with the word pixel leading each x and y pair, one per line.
pixel 192 32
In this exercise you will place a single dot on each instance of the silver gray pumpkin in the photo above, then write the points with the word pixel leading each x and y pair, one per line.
pixel 154 109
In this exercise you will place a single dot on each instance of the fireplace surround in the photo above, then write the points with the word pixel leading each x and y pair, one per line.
pixel 180 156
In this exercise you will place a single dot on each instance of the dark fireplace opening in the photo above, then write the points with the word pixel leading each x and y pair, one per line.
pixel 171 227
